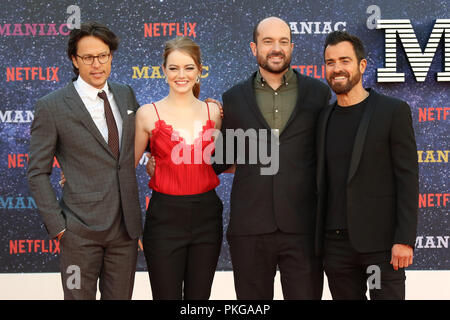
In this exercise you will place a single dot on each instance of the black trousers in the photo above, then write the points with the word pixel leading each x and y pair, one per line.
pixel 349 271
pixel 182 241
pixel 255 259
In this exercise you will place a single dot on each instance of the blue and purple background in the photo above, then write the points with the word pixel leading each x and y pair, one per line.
pixel 224 30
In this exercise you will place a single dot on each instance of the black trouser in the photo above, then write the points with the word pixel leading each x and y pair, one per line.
pixel 182 241
pixel 349 271
pixel 255 259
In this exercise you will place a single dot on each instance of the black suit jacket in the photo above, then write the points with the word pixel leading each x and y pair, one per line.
pixel 382 185
pixel 286 200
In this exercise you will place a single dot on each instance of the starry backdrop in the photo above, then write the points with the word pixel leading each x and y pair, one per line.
pixel 223 29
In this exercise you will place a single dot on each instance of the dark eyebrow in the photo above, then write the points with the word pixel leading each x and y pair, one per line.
pixel 88 54
pixel 270 38
pixel 174 65
pixel 340 58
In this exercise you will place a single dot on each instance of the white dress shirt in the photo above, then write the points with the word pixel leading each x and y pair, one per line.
pixel 95 105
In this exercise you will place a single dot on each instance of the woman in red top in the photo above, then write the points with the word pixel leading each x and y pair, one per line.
pixel 183 228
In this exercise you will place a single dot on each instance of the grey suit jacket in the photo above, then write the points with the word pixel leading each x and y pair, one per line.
pixel 98 186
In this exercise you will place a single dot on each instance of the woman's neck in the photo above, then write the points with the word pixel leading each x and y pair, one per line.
pixel 181 100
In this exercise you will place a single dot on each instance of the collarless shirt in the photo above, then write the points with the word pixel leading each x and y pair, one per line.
pixel 95 106
pixel 277 105
pixel 341 132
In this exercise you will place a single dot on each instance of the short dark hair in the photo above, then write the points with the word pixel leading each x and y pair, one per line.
pixel 336 37
pixel 94 29
pixel 255 30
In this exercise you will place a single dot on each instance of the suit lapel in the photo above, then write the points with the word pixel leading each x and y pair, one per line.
pixel 119 98
pixel 249 94
pixel 321 139
pixel 361 135
pixel 77 106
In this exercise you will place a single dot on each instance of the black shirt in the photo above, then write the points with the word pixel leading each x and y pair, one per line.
pixel 341 132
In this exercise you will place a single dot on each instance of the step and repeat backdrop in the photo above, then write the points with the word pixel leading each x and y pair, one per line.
pixel 408 45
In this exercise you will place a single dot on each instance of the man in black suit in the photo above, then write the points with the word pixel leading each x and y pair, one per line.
pixel 272 216
pixel 367 181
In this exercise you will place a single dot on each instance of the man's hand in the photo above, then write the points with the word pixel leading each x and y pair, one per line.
pixel 216 102
pixel 150 167
pixel 63 180
pixel 401 256
pixel 60 235
pixel 231 169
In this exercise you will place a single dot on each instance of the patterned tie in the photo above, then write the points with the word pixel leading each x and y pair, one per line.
pixel 113 133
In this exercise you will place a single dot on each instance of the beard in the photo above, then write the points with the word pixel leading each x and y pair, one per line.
pixel 264 63
pixel 343 88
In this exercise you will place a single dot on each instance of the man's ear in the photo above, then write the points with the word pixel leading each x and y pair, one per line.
pixel 75 62
pixel 362 65
pixel 253 47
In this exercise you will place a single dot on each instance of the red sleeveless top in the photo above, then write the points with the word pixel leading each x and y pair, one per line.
pixel 182 169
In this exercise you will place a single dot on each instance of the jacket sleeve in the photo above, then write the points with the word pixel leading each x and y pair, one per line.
pixel 220 154
pixel 406 172
pixel 42 148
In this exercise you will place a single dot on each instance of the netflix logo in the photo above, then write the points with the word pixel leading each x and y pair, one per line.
pixel 434 114
pixel 315 71
pixel 32 73
pixel 171 29
pixel 429 200
pixel 34 246
pixel 20 160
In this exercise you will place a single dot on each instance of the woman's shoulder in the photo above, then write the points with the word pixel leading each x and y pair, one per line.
pixel 214 109
pixel 147 112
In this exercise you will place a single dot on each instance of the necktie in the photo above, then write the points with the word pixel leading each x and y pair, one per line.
pixel 113 133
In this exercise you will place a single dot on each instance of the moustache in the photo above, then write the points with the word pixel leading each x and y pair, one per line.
pixel 340 74
pixel 276 54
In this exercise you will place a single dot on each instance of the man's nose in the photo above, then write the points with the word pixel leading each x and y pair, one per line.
pixel 96 63
pixel 337 67
pixel 276 46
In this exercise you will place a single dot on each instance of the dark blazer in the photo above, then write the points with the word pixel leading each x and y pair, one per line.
pixel 97 184
pixel 287 200
pixel 382 185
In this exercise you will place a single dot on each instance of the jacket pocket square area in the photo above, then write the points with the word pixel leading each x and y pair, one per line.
pixel 130 112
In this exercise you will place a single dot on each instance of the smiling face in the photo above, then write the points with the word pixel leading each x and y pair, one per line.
pixel 95 74
pixel 273 47
pixel 181 72
pixel 343 72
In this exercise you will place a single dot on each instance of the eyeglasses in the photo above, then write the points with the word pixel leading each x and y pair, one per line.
pixel 102 58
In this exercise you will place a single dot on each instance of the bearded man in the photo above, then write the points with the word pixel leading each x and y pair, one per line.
pixel 272 218
pixel 367 181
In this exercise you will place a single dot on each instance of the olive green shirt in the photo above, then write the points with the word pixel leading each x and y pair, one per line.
pixel 276 105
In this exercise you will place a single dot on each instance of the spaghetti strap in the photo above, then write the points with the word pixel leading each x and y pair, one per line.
pixel 207 106
pixel 157 110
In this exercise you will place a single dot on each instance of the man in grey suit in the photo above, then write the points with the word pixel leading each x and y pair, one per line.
pixel 89 126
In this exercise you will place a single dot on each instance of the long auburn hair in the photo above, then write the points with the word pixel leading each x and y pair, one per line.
pixel 189 46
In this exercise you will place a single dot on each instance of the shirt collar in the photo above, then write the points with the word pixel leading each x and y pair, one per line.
pixel 86 90
pixel 287 77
